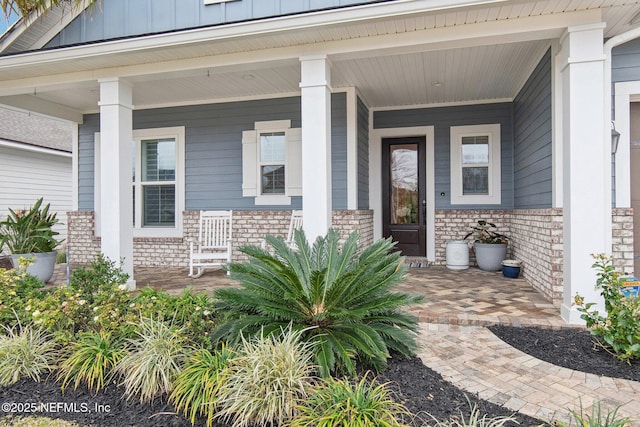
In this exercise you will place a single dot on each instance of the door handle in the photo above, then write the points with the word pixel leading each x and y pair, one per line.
pixel 424 212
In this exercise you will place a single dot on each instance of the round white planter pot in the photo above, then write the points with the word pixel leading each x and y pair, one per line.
pixel 43 264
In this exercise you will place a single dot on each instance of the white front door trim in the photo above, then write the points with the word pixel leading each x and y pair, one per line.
pixel 624 92
pixel 375 178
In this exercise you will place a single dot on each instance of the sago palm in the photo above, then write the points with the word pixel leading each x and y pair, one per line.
pixel 24 7
pixel 340 298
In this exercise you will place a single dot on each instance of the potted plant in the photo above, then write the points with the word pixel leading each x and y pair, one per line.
pixel 29 234
pixel 489 246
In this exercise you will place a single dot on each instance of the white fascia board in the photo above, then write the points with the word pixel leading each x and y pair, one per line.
pixel 259 27
pixel 538 27
pixel 33 148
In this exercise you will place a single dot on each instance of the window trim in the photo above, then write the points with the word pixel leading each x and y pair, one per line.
pixel 271 126
pixel 492 131
pixel 177 132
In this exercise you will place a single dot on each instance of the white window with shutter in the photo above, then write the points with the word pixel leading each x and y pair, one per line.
pixel 475 165
pixel 271 162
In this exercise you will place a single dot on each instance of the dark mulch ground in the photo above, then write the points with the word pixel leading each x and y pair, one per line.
pixel 570 348
pixel 421 389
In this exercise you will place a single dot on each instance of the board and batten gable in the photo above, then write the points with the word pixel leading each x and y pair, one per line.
pixel 213 149
pixel 127 18
pixel 532 120
pixel 363 154
pixel 28 175
pixel 442 119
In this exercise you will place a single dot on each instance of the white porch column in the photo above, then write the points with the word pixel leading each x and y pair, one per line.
pixel 116 193
pixel 316 145
pixel 586 163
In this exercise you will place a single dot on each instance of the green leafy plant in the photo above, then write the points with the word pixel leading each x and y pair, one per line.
pixel 485 232
pixel 29 231
pixel 93 360
pixel 343 403
pixel 102 274
pixel 26 352
pixel 597 418
pixel 194 312
pixel 16 289
pixel 196 388
pixel 340 298
pixel 269 377
pixel 154 358
pixel 619 328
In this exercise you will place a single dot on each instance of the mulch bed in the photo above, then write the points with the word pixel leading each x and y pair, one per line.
pixel 421 389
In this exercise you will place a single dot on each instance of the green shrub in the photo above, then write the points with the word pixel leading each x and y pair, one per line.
pixel 196 388
pixel 96 299
pixel 27 231
pixel 269 377
pixel 194 312
pixel 25 352
pixel 61 312
pixel 596 419
pixel 343 403
pixel 154 359
pixel 101 275
pixel 619 328
pixel 92 361
pixel 16 289
pixel 341 299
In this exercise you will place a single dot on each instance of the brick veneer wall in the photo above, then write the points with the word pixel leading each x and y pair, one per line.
pixel 622 241
pixel 537 241
pixel 249 227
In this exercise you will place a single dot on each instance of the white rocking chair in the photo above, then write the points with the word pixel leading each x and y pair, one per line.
pixel 294 224
pixel 213 247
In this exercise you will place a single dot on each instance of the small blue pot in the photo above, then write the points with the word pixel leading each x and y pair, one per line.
pixel 510 272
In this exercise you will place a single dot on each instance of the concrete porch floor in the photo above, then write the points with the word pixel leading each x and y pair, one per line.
pixel 469 297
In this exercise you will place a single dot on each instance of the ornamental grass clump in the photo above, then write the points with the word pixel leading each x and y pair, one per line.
pixel 617 330
pixel 92 361
pixel 339 297
pixel 26 352
pixel 475 419
pixel 344 403
pixel 597 418
pixel 196 389
pixel 154 358
pixel 269 377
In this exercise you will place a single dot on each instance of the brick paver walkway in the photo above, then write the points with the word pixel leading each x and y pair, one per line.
pixel 475 360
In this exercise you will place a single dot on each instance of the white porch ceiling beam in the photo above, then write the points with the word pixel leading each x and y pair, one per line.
pixel 41 106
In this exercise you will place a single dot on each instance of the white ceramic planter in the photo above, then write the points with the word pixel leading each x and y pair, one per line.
pixel 42 267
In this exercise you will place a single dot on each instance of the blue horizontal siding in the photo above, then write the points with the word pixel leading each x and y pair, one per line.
pixel 363 155
pixel 532 117
pixel 213 149
pixel 127 18
pixel 443 118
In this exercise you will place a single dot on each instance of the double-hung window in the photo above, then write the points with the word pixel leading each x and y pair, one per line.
pixel 157 178
pixel 271 162
pixel 475 164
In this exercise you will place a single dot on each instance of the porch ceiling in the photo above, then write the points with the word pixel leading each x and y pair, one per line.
pixel 416 58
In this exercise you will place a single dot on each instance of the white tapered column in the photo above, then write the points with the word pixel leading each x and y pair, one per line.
pixel 116 193
pixel 316 145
